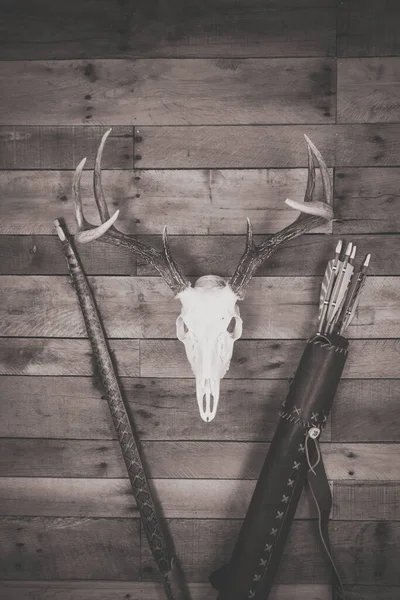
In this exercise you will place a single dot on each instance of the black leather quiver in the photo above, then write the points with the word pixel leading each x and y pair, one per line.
pixel 304 413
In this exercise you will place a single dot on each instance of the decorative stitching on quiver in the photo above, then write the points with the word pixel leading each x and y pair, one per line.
pixel 273 535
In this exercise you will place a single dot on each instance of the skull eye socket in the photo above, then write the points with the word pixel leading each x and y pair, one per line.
pixel 235 327
pixel 232 324
pixel 181 329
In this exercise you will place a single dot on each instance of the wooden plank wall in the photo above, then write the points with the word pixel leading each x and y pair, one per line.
pixel 208 102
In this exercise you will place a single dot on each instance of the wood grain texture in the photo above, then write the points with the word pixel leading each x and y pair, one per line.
pixel 252 359
pixel 378 78
pixel 272 146
pixel 366 501
pixel 182 29
pixel 199 202
pixel 136 307
pixel 210 100
pixel 214 147
pixel 182 498
pixel 42 147
pixel 188 202
pixel 180 460
pixel 276 359
pixel 69 548
pixel 366 411
pixel 368 28
pixel 105 590
pixel 177 498
pixel 168 91
pixel 45 356
pixel 367 200
pixel 199 255
pixel 161 409
pixel 42 255
pixel 371 592
pixel 303 256
pixel 365 552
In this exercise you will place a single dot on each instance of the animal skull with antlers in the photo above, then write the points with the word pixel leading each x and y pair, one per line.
pixel 209 322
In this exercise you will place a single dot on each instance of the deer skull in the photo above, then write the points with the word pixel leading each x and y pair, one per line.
pixel 208 325
pixel 209 322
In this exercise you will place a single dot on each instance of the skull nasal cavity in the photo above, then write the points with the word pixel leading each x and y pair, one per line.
pixel 232 325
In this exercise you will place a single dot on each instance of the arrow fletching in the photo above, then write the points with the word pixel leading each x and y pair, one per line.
pixel 337 292
pixel 340 291
pixel 328 276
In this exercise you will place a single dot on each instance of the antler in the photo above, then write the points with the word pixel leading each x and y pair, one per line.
pixel 106 232
pixel 314 213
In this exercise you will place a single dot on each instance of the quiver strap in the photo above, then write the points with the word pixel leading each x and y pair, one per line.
pixel 303 414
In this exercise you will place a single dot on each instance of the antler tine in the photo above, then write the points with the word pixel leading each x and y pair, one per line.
pixel 97 187
pixel 313 214
pixel 86 231
pixel 76 187
pixel 311 176
pixel 161 261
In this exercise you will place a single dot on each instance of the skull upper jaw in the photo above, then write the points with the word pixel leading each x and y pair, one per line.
pixel 207 393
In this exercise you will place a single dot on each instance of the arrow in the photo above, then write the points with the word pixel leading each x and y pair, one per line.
pixel 354 300
pixel 327 285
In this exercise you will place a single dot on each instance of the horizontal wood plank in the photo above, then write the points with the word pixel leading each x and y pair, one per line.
pixel 200 255
pixel 180 460
pixel 268 146
pixel 371 592
pixel 104 590
pixel 177 498
pixel 276 359
pixel 182 498
pixel 303 256
pixel 214 147
pixel 42 255
pixel 119 590
pixel 69 548
pixel 368 28
pixel 72 547
pixel 365 552
pixel 168 91
pixel 363 410
pixel 367 200
pixel 43 356
pixel 252 359
pixel 188 202
pixel 46 31
pixel 366 410
pixel 182 29
pixel 41 147
pixel 378 78
pixel 198 202
pixel 275 308
pixel 366 501
pixel 161 409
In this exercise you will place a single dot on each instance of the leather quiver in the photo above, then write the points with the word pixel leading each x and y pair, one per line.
pixel 303 415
